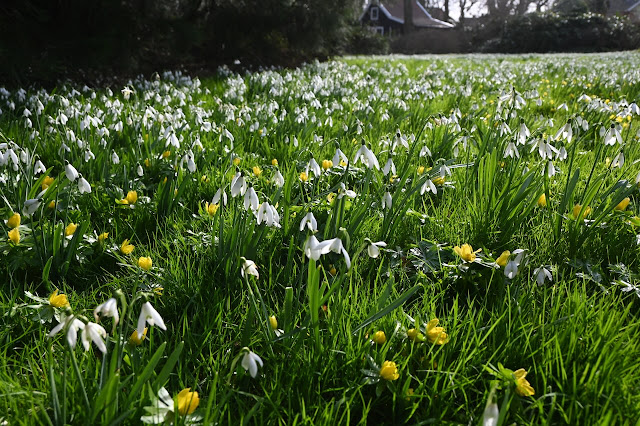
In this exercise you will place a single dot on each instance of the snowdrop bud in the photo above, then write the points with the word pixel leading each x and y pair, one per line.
pixel 70 172
pixel 386 200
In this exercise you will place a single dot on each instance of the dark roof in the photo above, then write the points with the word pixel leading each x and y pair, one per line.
pixel 621 6
pixel 394 9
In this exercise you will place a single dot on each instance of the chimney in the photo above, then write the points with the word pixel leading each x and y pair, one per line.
pixel 408 16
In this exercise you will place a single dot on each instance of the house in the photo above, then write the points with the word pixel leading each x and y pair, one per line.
pixel 387 17
pixel 630 8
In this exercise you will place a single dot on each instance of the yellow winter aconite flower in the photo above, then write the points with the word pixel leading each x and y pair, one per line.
pixel 58 300
pixel 135 340
pixel 438 180
pixel 236 161
pixel 273 322
pixel 389 371
pixel 14 221
pixel 145 263
pixel 303 176
pixel 379 337
pixel 576 211
pixel 46 182
pixel 52 205
pixel 435 334
pixel 622 205
pixel 211 208
pixel 542 201
pixel 523 387
pixel 147 163
pixel 420 170
pixel 466 252
pixel 166 154
pixel 327 164
pixel 274 162
pixel 14 236
pixel 257 171
pixel 70 229
pixel 187 401
pixel 103 237
pixel 504 258
pixel 414 334
pixel 126 248
pixel 132 197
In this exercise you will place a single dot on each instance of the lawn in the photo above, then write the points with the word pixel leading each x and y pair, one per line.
pixel 438 239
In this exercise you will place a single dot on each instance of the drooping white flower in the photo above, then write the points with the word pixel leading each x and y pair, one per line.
pixel 428 186
pixel 39 168
pixel 389 167
pixel 343 191
pixel 542 274
pixel 249 267
pixel 250 363
pixel 238 185
pixel 339 156
pixel 72 324
pixel 511 270
pixel 618 161
pixel 83 185
pixel 148 315
pixel 491 415
pixel 612 135
pixel 373 249
pixel 511 151
pixel 107 309
pixel 221 194
pixel 268 214
pixel 314 167
pixel 387 201
pixel 140 171
pixel 251 199
pixel 70 172
pixel 30 206
pixel 367 157
pixel 95 333
pixel 278 179
pixel 565 132
pixel 310 222
pixel 335 245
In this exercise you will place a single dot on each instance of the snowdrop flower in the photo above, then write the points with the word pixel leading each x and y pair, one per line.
pixel 511 151
pixel 140 171
pixel 238 185
pixel 400 140
pixel 342 191
pixel 107 309
pixel 310 222
pixel 268 214
pixel 612 135
pixel 339 156
pixel 551 170
pixel 511 270
pixel 71 172
pixel 428 186
pixel 367 157
pixel 278 179
pixel 220 194
pixel 95 333
pixel 618 161
pixel 114 158
pixel 542 274
pixel 83 185
pixel 39 168
pixel 312 248
pixel 335 245
pixel 148 315
pixel 72 325
pixel 160 410
pixel 30 206
pixel 250 362
pixel 425 151
pixel 314 167
pixel 126 93
pixel 523 133
pixel 387 201
pixel 251 199
pixel 373 249
pixel 490 415
pixel 389 167
pixel 565 132
pixel 249 267
pixel 561 154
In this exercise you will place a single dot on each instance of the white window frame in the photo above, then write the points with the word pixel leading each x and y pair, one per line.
pixel 374 16
pixel 379 30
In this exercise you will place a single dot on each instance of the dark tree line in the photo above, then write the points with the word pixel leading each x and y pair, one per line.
pixel 49 39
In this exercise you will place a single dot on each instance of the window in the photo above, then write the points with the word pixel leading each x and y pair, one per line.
pixel 380 30
pixel 374 13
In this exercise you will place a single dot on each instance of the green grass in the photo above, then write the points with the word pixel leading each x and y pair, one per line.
pixel 576 335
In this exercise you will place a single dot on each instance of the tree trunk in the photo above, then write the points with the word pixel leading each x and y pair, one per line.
pixel 446 10
pixel 408 16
